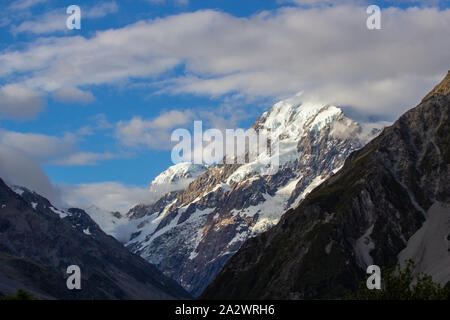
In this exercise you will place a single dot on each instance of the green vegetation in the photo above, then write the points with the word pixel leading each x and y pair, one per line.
pixel 400 284
pixel 20 295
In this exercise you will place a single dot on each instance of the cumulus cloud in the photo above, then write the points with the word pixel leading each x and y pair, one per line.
pixel 102 9
pixel 44 149
pixel 72 94
pixel 20 168
pixel 20 102
pixel 23 154
pixel 49 22
pixel 40 147
pixel 112 196
pixel 83 159
pixel 17 168
pixel 323 50
pixel 326 51
pixel 99 122
pixel 155 133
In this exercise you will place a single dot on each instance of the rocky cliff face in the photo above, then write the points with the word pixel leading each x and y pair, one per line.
pixel 390 201
pixel 190 234
pixel 38 242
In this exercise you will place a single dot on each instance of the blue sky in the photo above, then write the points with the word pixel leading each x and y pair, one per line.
pixel 98 104
pixel 115 103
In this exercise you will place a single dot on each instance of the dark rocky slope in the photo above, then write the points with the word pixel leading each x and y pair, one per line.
pixel 38 242
pixel 362 215
pixel 189 234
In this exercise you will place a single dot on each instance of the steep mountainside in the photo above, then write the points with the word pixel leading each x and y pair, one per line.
pixel 178 176
pixel 189 234
pixel 390 201
pixel 38 242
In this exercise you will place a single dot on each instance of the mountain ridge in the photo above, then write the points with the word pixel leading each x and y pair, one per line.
pixel 364 214
pixel 38 242
pixel 189 234
pixel 442 88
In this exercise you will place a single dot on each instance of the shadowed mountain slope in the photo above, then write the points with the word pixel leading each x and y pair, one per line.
pixel 370 212
pixel 38 242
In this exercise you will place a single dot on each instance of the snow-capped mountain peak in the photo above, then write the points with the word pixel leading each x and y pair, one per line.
pixel 291 115
pixel 208 212
pixel 179 174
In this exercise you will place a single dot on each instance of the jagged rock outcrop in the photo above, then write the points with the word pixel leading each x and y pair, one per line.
pixel 390 201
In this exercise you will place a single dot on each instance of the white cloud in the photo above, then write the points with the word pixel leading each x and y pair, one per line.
pixel 111 196
pixel 102 9
pixel 24 4
pixel 47 23
pixel 83 159
pixel 17 168
pixel 100 123
pixel 39 147
pixel 85 131
pixel 23 154
pixel 20 168
pixel 21 157
pixel 73 94
pixel 324 51
pixel 19 102
pixel 44 149
pixel 155 133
